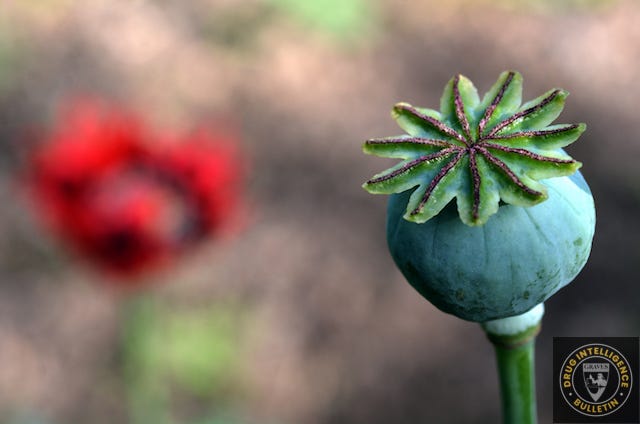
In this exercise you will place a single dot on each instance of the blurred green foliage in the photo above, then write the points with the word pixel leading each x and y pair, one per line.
pixel 195 351
pixel 238 27
pixel 344 19
pixel 203 348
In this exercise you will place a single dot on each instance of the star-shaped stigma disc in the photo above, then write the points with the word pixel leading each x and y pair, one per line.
pixel 477 151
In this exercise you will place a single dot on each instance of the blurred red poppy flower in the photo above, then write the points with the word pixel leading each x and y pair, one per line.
pixel 130 200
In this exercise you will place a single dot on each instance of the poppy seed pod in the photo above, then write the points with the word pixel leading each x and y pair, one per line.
pixel 515 261
pixel 488 215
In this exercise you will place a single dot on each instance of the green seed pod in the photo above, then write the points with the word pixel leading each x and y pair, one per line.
pixel 525 218
pixel 517 260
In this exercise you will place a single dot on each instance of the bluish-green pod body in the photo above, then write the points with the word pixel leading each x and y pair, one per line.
pixel 518 259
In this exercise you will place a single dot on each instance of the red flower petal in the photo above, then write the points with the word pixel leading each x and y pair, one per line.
pixel 124 202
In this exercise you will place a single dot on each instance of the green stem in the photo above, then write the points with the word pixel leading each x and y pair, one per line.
pixel 517 383
pixel 514 341
pixel 147 396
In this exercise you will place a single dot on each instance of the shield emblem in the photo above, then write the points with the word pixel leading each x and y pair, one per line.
pixel 596 377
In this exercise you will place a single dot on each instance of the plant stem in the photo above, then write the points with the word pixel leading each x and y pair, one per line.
pixel 147 396
pixel 514 341
pixel 517 383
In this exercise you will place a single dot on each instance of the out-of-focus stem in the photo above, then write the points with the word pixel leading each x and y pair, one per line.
pixel 147 397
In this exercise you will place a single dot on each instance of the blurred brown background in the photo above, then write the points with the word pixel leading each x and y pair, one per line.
pixel 327 331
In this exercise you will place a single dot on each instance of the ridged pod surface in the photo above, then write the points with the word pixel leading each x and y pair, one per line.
pixel 517 260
